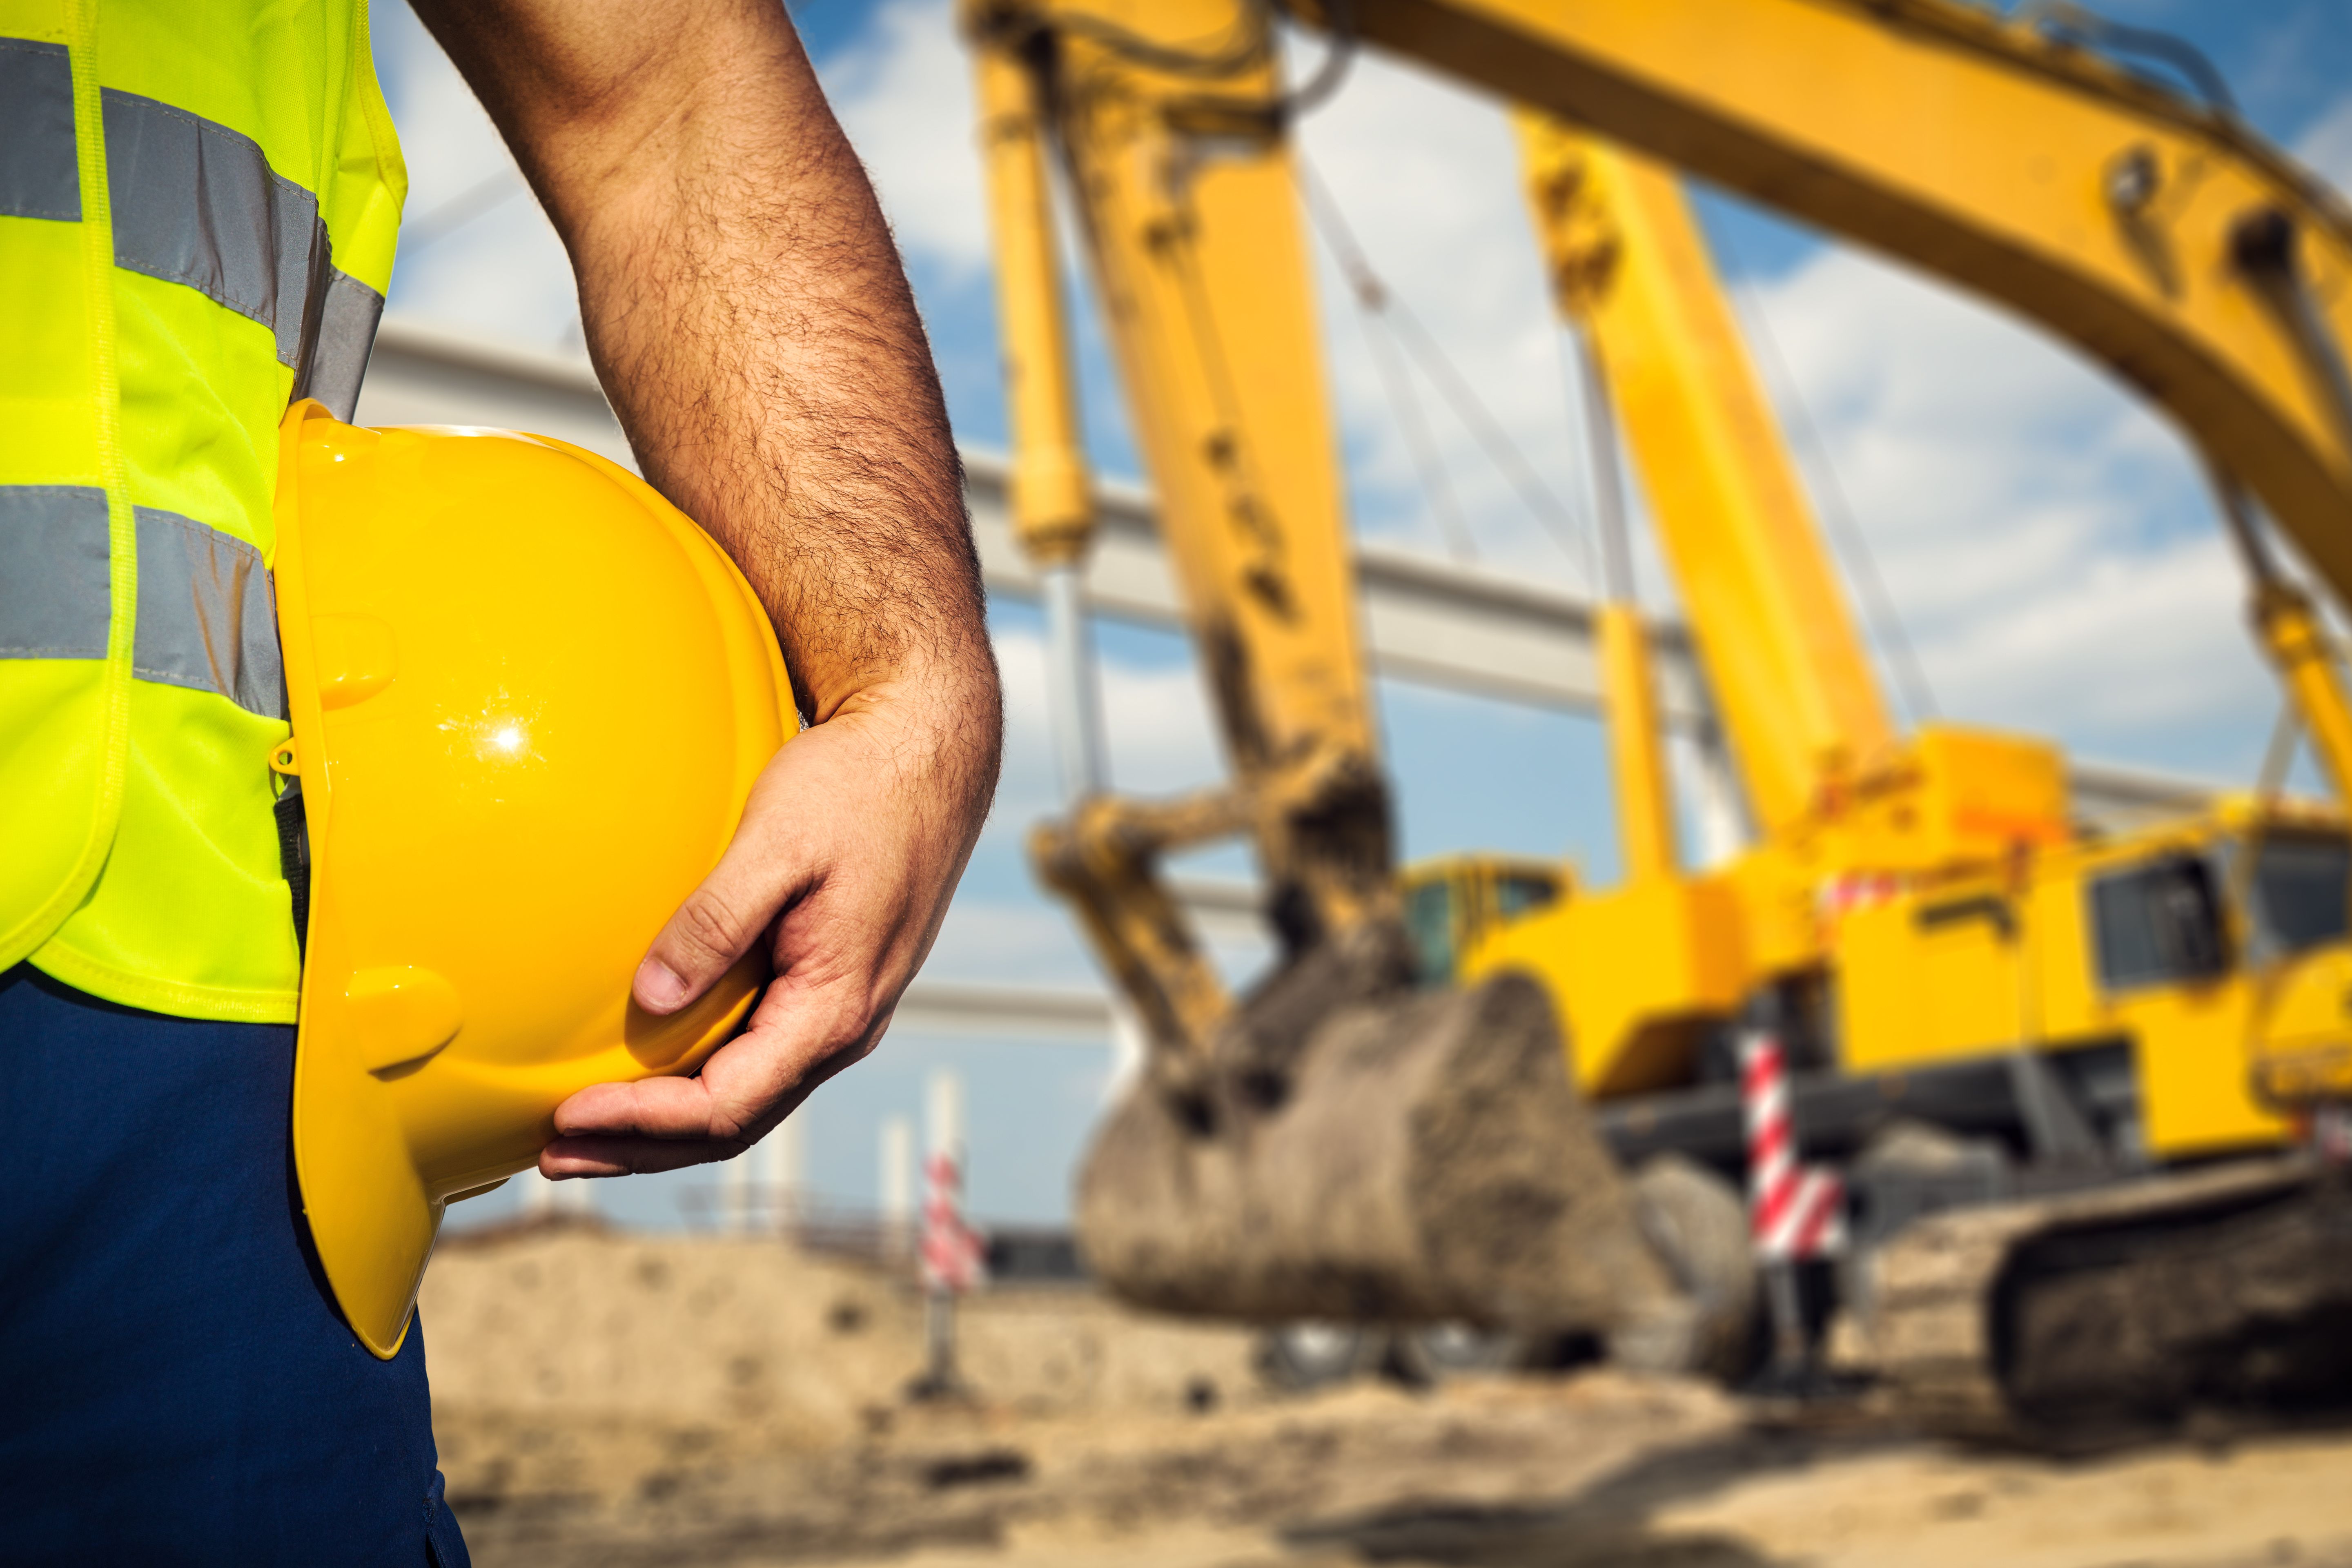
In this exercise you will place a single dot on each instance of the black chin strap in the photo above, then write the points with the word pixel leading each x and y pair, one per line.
pixel 294 859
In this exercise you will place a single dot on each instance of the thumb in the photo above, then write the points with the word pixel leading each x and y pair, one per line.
pixel 717 925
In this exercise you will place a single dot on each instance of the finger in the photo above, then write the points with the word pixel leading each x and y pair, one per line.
pixel 567 1158
pixel 623 1128
pixel 717 924
pixel 668 1124
pixel 650 1108
pixel 746 1087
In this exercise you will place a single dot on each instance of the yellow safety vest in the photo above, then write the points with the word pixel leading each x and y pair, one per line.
pixel 198 203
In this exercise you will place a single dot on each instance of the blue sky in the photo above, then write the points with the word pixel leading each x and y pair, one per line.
pixel 2045 538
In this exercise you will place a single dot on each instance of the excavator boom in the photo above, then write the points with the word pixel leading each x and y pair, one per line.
pixel 2160 236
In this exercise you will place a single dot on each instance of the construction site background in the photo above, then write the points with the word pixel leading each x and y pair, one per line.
pixel 751 1397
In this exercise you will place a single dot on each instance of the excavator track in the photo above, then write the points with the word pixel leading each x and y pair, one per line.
pixel 2122 1306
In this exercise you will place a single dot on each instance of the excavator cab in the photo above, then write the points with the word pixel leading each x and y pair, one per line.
pixel 2288 879
pixel 2266 889
pixel 1455 903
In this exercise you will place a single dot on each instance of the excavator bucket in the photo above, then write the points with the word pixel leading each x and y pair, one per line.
pixel 1424 1158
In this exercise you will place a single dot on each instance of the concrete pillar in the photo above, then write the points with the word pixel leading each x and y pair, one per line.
pixel 1718 810
pixel 897 1185
pixel 735 1193
pixel 535 1195
pixel 779 1163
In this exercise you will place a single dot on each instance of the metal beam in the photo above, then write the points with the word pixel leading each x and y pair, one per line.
pixel 1427 621
pixel 1027 1013
pixel 2120 799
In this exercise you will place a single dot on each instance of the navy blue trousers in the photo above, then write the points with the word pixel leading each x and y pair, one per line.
pixel 176 1385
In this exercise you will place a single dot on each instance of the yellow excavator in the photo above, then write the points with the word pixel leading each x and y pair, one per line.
pixel 2114 1042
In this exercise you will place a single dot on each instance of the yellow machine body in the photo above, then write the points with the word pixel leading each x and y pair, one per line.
pixel 1937 884
pixel 529 699
pixel 1979 962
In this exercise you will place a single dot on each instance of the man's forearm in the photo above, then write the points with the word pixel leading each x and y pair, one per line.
pixel 750 321
pixel 748 313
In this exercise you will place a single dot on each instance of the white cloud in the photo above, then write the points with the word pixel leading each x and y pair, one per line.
pixel 2046 536
pixel 2325 148
pixel 1427 179
pixel 1155 720
pixel 502 270
pixel 904 94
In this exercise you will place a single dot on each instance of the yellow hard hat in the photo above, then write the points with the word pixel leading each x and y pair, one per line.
pixel 530 698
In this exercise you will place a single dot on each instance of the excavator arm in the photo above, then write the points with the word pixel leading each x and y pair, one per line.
pixel 1330 1145
pixel 1188 207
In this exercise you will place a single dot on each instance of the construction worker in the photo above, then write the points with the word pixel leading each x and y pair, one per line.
pixel 197 207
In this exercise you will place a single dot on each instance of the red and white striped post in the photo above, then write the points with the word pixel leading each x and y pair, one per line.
pixel 952 1261
pixel 2331 1133
pixel 1796 1211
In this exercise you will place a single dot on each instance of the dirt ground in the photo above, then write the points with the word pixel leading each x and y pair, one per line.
pixel 607 1400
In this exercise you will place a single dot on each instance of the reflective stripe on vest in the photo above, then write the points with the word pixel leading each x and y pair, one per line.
pixel 37 133
pixel 195 202
pixel 206 618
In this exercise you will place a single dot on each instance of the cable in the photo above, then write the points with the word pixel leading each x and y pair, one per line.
pixel 2067 23
pixel 1429 467
pixel 1885 620
pixel 1555 517
pixel 1371 297
pixel 1573 383
pixel 1608 478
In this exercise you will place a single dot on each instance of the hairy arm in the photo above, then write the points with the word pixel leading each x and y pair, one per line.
pixel 749 317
